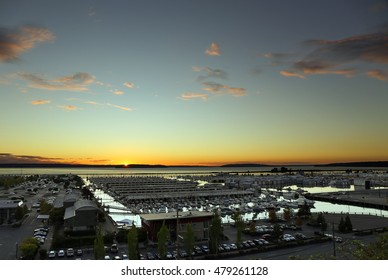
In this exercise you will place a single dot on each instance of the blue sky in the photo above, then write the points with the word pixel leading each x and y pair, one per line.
pixel 193 82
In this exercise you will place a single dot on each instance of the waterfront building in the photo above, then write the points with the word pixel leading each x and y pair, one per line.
pixel 83 215
pixel 200 222
pixel 8 210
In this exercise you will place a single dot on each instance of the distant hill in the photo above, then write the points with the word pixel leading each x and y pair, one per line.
pixel 358 164
pixel 142 166
pixel 244 165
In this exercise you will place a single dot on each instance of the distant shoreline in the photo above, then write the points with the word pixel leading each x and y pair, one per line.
pixel 243 165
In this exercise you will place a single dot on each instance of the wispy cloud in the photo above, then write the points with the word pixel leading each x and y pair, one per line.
pixel 118 92
pixel 15 42
pixel 378 74
pixel 120 107
pixel 210 73
pixel 331 56
pixel 90 102
pixel 40 102
pixel 217 88
pixel 11 158
pixel 287 73
pixel 69 107
pixel 129 85
pixel 75 82
pixel 213 50
pixel 278 58
pixel 192 95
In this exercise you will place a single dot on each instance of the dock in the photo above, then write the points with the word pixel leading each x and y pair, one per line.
pixel 376 198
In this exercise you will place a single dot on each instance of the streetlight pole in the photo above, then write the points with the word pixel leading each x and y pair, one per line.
pixel 177 238
pixel 334 253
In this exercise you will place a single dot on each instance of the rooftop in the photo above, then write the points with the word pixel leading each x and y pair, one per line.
pixel 173 215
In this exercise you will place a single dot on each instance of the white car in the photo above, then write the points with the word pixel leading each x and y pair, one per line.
pixel 52 254
pixel 61 253
pixel 70 252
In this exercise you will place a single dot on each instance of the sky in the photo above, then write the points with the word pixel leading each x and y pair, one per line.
pixel 193 82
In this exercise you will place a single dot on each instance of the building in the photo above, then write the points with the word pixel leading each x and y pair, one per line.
pixel 83 215
pixel 200 222
pixel 8 210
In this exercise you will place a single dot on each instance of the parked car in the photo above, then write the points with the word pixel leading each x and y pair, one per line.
pixel 205 249
pixel 300 236
pixel 61 253
pixel 70 252
pixel 150 256
pixel 183 253
pixel 169 256
pixel 79 252
pixel 52 254
pixel 114 249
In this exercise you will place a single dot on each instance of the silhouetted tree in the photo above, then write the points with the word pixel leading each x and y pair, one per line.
pixel 215 233
pixel 272 215
pixel 348 224
pixel 163 236
pixel 133 243
pixel 238 221
pixel 189 239
pixel 99 250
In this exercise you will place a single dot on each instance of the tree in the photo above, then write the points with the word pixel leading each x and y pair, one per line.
pixel 377 250
pixel 298 221
pixel 215 233
pixel 287 213
pixel 99 250
pixel 29 247
pixel 133 243
pixel 163 236
pixel 348 224
pixel 341 225
pixel 189 239
pixel 272 215
pixel 19 213
pixel 304 210
pixel 321 221
pixel 45 208
pixel 56 215
pixel 238 221
pixel 277 232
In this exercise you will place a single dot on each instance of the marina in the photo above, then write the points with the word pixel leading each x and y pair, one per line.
pixel 125 198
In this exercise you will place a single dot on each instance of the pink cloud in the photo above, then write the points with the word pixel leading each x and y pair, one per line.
pixel 129 85
pixel 40 102
pixel 378 74
pixel 75 82
pixel 191 95
pixel 213 50
pixel 287 73
pixel 69 107
pixel 14 43
pixel 120 107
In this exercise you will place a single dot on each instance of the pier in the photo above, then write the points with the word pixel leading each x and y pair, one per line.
pixel 376 198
